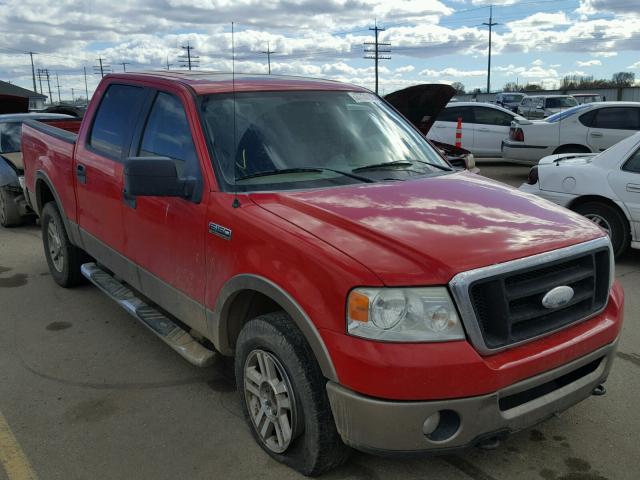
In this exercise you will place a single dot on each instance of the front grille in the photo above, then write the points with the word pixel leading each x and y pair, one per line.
pixel 508 306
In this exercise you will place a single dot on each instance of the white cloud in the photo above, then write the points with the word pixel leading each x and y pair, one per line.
pixel 589 63
pixel 604 54
pixel 634 66
pixel 453 72
pixel 540 21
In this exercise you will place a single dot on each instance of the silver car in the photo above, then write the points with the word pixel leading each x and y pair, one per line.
pixel 541 106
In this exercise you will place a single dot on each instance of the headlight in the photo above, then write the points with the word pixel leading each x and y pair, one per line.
pixel 403 314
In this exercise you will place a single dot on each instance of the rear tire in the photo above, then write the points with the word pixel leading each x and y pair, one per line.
pixel 611 220
pixel 9 213
pixel 313 445
pixel 64 258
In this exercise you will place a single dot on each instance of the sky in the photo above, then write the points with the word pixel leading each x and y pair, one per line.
pixel 432 41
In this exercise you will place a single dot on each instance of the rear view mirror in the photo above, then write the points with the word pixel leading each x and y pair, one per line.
pixel 155 177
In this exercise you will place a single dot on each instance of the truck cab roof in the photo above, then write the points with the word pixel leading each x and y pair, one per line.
pixel 208 82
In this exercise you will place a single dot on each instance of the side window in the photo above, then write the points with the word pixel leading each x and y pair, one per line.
pixel 452 114
pixel 633 164
pixel 491 116
pixel 588 119
pixel 618 118
pixel 167 134
pixel 114 119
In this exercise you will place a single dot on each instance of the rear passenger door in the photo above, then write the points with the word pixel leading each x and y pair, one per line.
pixel 98 169
pixel 444 128
pixel 609 125
pixel 165 235
pixel 625 182
pixel 490 128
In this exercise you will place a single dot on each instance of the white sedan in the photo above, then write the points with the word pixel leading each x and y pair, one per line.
pixel 588 128
pixel 484 126
pixel 603 187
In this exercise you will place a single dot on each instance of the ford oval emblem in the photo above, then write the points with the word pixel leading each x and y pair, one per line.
pixel 557 297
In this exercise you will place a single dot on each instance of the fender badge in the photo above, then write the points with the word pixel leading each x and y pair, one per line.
pixel 220 231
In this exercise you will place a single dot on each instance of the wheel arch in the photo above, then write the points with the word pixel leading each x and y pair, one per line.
pixel 581 148
pixel 599 199
pixel 246 296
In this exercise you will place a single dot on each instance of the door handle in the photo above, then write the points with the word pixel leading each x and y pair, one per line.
pixel 633 187
pixel 596 134
pixel 484 130
pixel 81 173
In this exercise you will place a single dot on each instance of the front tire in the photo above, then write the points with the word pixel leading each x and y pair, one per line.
pixel 64 258
pixel 9 213
pixel 611 221
pixel 284 398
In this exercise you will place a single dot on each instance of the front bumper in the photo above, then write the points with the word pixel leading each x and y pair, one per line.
pixel 381 426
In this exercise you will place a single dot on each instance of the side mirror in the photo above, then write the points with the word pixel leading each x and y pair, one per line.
pixel 154 177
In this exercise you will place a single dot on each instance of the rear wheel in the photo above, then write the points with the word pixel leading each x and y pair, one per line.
pixel 64 258
pixel 284 398
pixel 610 220
pixel 9 213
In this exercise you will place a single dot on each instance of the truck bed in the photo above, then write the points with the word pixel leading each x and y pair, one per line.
pixel 47 153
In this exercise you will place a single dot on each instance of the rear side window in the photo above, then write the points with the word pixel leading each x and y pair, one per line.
pixel 452 115
pixel 114 120
pixel 167 134
pixel 633 164
pixel 491 116
pixel 617 118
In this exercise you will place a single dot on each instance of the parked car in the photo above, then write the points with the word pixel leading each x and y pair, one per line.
pixel 484 127
pixel 587 97
pixel 587 128
pixel 13 205
pixel 372 296
pixel 542 106
pixel 509 100
pixel 603 187
pixel 421 105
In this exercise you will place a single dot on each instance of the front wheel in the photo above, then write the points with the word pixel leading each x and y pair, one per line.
pixel 284 398
pixel 611 221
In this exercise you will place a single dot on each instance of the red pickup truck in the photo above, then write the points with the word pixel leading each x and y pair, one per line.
pixel 371 295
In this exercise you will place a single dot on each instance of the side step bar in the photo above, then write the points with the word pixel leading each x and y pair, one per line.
pixel 168 331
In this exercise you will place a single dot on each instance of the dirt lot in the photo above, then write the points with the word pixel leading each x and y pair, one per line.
pixel 87 393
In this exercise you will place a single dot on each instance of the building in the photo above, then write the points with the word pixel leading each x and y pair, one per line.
pixel 15 99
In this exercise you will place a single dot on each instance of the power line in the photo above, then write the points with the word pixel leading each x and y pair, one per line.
pixel 377 50
pixel 189 60
pixel 269 52
pixel 491 24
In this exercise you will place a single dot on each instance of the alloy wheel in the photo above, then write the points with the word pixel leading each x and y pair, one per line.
pixel 56 252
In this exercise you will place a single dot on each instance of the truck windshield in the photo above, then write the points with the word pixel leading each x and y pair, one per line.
pixel 10 137
pixel 308 139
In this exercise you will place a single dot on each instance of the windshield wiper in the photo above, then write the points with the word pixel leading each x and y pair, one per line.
pixel 399 163
pixel 304 170
pixel 376 166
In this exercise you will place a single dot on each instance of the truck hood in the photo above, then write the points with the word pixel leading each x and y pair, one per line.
pixel 425 231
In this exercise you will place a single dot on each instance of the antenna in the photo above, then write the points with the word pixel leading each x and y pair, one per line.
pixel 236 202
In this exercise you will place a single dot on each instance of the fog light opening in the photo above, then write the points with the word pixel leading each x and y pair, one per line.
pixel 441 426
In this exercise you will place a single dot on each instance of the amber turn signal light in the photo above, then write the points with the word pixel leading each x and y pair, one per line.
pixel 358 307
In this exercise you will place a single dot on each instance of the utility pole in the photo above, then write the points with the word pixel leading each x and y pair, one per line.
pixel 33 72
pixel 376 51
pixel 268 52
pixel 86 88
pixel 491 24
pixel 101 68
pixel 124 66
pixel 191 60
pixel 73 96
pixel 46 73
pixel 58 85
pixel 169 65
pixel 40 81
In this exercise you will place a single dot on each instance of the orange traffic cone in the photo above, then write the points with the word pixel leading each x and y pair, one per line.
pixel 459 133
